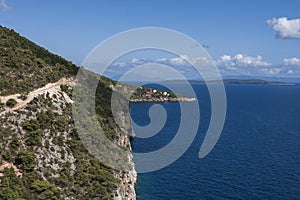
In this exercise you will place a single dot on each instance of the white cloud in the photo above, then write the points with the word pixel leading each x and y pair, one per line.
pixel 241 64
pixel 272 71
pixel 229 65
pixel 182 64
pixel 291 61
pixel 285 28
pixel 241 60
pixel 137 61
pixel 175 61
pixel 183 60
pixel 4 6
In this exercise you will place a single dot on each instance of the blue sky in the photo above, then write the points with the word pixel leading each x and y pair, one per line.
pixel 237 33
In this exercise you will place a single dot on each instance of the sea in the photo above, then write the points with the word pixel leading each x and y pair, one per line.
pixel 256 157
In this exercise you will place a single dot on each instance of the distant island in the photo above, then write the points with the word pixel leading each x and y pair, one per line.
pixel 236 81
pixel 145 94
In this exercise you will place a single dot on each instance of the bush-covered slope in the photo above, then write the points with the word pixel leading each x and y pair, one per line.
pixel 40 140
pixel 25 66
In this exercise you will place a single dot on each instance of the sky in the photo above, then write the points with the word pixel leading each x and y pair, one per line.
pixel 258 38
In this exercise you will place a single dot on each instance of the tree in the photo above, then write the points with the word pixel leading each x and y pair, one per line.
pixel 33 138
pixel 26 160
pixel 10 185
pixel 44 189
pixel 15 143
pixel 31 125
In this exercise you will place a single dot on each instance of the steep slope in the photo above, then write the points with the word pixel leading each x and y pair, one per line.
pixel 26 66
pixel 42 156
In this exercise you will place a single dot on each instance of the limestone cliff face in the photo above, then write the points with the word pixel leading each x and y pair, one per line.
pixel 126 190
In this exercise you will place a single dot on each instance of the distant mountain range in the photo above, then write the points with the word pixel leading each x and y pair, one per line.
pixel 266 78
pixel 225 81
pixel 243 81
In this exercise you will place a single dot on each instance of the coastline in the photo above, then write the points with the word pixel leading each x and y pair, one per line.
pixel 126 189
pixel 177 99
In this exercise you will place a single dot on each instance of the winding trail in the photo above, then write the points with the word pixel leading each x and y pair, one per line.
pixel 50 87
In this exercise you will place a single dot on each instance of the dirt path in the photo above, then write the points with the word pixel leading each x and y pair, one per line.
pixel 9 165
pixel 50 87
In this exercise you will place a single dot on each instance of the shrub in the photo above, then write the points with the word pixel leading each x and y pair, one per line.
pixel 15 143
pixel 1 104
pixel 31 125
pixel 64 88
pixel 11 102
pixel 26 160
pixel 33 138
pixel 6 155
pixel 11 185
pixel 45 189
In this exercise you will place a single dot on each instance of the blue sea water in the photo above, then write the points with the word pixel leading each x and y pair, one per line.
pixel 256 157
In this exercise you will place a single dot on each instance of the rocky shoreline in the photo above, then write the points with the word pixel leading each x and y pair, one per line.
pixel 177 99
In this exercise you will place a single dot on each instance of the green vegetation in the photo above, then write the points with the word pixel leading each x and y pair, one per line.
pixel 31 125
pixel 26 160
pixel 68 90
pixel 91 175
pixel 1 104
pixel 26 66
pixel 44 189
pixel 11 103
pixel 15 188
pixel 15 143
pixel 33 138
pixel 46 127
pixel 6 155
pixel 89 180
pixel 10 186
pixel 149 93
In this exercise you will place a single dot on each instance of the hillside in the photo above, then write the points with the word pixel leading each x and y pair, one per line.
pixel 42 156
pixel 26 66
